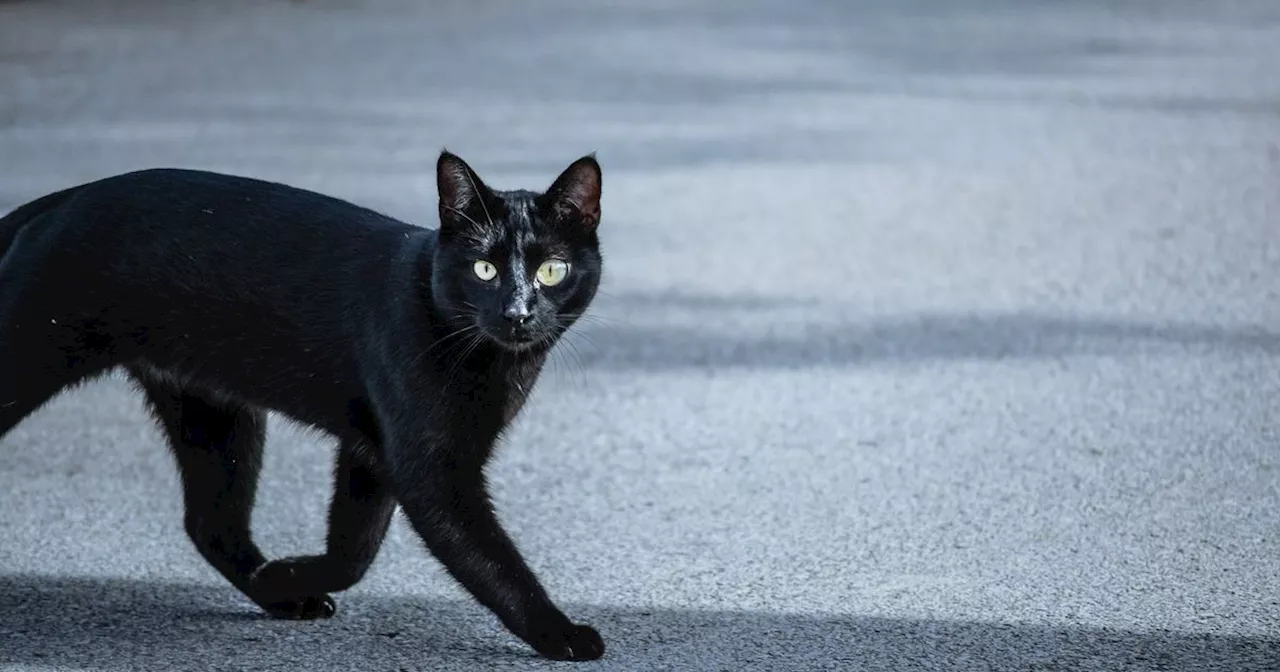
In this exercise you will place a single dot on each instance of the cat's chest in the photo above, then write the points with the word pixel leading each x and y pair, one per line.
pixel 519 388
pixel 492 397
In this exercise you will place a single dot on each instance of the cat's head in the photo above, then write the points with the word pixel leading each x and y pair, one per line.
pixel 516 267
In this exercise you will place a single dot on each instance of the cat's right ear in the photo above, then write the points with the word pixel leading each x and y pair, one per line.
pixel 575 195
pixel 461 192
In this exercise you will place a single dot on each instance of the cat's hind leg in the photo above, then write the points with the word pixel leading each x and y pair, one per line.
pixel 359 515
pixel 26 386
pixel 37 362
pixel 218 445
pixel 40 356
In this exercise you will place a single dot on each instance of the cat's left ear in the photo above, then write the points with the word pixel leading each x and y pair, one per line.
pixel 460 191
pixel 575 195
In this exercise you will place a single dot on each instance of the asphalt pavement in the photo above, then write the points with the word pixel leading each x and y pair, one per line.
pixel 935 336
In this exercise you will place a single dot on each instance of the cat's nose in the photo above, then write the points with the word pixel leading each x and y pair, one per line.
pixel 516 314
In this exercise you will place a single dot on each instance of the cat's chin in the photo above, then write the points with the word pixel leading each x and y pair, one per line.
pixel 517 346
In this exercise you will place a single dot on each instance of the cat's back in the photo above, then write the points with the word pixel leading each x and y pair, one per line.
pixel 202 220
pixel 186 237
pixel 176 198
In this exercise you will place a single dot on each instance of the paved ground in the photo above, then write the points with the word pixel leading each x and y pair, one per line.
pixel 941 336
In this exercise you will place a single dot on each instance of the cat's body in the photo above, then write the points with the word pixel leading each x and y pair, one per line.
pixel 225 297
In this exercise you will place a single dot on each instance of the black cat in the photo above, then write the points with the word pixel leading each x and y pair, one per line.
pixel 224 297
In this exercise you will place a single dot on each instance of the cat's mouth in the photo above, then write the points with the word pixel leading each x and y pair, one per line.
pixel 520 345
pixel 515 341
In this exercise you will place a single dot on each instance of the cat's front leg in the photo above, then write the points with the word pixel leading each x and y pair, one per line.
pixel 359 515
pixel 445 499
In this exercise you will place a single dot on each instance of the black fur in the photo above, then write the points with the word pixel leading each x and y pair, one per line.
pixel 224 297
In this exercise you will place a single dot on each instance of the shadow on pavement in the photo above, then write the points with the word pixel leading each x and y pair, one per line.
pixel 111 624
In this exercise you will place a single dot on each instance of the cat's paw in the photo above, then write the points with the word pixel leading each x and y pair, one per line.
pixel 275 587
pixel 305 609
pixel 570 642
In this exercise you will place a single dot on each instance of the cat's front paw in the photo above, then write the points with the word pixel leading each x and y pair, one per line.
pixel 304 609
pixel 275 586
pixel 569 642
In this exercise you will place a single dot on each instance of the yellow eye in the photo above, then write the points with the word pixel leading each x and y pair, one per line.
pixel 552 272
pixel 485 270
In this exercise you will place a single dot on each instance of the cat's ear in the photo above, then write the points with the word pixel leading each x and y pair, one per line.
pixel 575 195
pixel 460 189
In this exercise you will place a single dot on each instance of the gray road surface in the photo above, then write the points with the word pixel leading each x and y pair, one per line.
pixel 939 335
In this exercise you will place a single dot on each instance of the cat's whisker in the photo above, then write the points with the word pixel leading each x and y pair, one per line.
pixel 589 314
pixel 468 344
pixel 444 340
pixel 579 360
pixel 553 353
pixel 612 329
pixel 569 328
pixel 467 337
pixel 570 354
pixel 564 362
pixel 593 317
pixel 588 340
pixel 557 363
